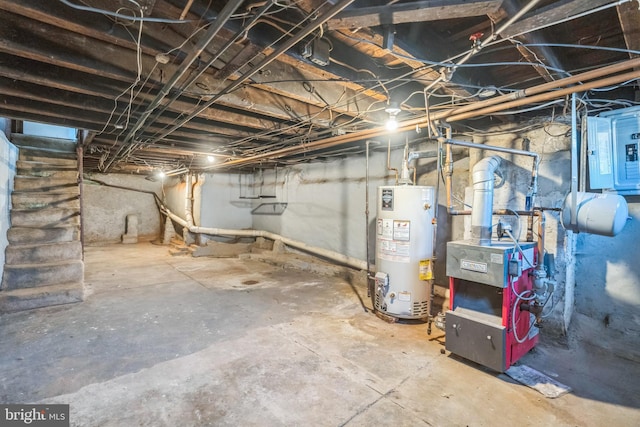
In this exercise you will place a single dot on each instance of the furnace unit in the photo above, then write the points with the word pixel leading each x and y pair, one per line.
pixel 490 320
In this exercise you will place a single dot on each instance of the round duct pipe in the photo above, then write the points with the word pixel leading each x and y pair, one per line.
pixel 482 210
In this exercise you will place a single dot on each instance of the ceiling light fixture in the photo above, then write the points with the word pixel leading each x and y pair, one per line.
pixel 392 110
pixel 211 159
pixel 162 58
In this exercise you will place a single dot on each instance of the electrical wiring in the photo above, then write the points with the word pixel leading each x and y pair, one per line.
pixel 334 105
pixel 582 46
pixel 448 63
pixel 501 132
pixel 513 317
pixel 132 86
pixel 477 65
pixel 526 110
pixel 195 110
pixel 610 88
pixel 125 17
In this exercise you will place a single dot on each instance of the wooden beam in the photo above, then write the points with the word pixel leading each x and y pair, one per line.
pixel 421 11
pixel 76 52
pixel 103 108
pixel 551 13
pixel 630 22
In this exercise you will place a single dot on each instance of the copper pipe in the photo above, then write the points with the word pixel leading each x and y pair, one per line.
pixel 448 166
pixel 548 95
pixel 475 109
pixel 578 78
pixel 389 161
pixel 541 224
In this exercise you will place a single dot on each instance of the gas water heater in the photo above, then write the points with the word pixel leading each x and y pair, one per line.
pixel 404 251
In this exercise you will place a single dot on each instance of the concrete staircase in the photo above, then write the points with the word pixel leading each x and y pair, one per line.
pixel 43 263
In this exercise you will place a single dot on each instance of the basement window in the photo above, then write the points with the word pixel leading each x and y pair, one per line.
pixel 48 131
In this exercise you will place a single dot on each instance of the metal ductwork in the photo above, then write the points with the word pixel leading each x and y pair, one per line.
pixel 482 211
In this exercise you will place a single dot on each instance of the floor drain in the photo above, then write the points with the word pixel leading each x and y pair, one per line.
pixel 250 282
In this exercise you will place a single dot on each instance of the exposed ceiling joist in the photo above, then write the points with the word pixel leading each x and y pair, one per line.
pixel 629 15
pixel 77 68
pixel 421 11
pixel 550 14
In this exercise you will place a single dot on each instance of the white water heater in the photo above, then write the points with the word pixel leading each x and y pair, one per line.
pixel 404 251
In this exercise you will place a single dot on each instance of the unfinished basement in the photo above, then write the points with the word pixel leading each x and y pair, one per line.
pixel 320 212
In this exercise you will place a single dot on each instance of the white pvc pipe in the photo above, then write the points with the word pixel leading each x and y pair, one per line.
pixel 325 253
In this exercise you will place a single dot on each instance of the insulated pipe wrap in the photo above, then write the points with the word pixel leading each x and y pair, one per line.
pixel 482 211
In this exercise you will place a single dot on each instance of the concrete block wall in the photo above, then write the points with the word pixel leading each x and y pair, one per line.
pixel 8 158
pixel 105 209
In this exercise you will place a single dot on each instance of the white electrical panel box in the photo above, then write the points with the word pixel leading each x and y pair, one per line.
pixel 613 140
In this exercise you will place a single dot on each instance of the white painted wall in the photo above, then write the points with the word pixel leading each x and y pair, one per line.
pixel 216 201
pixel 105 208
pixel 326 202
pixel 221 205
pixel 8 158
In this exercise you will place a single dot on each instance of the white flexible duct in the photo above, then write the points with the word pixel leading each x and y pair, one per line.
pixel 324 253
pixel 482 210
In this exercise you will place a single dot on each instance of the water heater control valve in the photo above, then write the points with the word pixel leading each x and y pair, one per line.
pixel 382 282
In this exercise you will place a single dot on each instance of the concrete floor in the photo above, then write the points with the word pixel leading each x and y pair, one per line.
pixel 166 341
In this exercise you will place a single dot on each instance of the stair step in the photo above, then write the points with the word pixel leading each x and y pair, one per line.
pixel 70 174
pixel 31 165
pixel 39 253
pixel 35 275
pixel 41 157
pixel 43 218
pixel 41 200
pixel 44 296
pixel 34 183
pixel 26 235
pixel 55 145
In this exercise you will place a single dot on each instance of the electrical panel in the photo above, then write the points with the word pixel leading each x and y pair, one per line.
pixel 613 140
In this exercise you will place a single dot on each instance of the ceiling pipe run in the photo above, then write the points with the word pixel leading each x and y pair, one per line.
pixel 499 103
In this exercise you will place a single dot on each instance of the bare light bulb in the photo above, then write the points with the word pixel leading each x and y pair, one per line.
pixel 211 159
pixel 392 110
pixel 391 124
